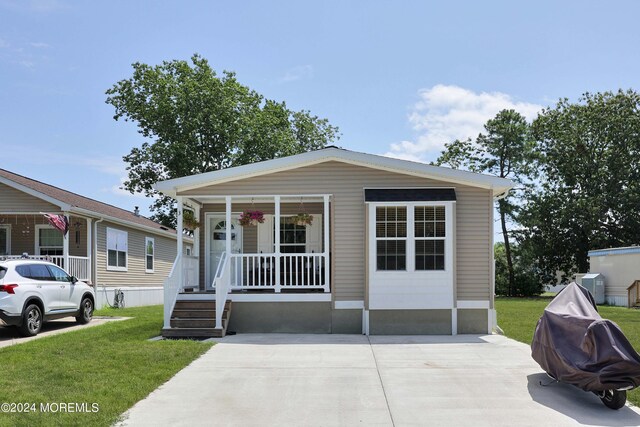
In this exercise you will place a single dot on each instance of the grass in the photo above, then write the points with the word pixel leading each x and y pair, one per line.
pixel 518 318
pixel 112 365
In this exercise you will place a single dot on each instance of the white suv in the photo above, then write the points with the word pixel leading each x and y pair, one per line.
pixel 32 292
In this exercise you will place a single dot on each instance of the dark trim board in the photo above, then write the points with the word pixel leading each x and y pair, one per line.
pixel 409 194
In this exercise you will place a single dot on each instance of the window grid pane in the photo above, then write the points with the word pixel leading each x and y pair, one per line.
pixel 429 221
pixel 391 233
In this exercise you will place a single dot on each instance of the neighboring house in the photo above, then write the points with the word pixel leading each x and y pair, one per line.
pixel 395 247
pixel 107 246
pixel 619 266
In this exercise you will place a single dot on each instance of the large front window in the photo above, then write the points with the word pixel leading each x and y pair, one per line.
pixel 419 234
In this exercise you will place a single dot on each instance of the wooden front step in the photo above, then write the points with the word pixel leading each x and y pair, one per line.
pixel 196 323
pixel 197 319
pixel 193 333
pixel 196 313
pixel 199 304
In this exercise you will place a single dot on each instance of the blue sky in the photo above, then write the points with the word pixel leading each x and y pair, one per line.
pixel 398 78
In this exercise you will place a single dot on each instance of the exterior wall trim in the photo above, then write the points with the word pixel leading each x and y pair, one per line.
pixel 349 305
pixel 473 304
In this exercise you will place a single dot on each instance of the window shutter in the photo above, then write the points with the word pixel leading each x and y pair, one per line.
pixel 265 235
pixel 314 235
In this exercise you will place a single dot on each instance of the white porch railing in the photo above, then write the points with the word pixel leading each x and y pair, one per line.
pixel 171 288
pixel 78 265
pixel 222 282
pixel 297 271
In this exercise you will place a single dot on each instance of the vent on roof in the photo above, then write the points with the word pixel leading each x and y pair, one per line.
pixel 136 211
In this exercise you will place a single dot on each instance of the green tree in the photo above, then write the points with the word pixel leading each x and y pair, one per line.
pixel 589 189
pixel 505 150
pixel 526 280
pixel 198 122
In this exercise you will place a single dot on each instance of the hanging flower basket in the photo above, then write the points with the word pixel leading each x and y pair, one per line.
pixel 301 219
pixel 189 220
pixel 251 218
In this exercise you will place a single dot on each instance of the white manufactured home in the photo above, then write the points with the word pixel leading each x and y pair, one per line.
pixel 388 247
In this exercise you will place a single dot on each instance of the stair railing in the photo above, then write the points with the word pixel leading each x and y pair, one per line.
pixel 222 283
pixel 634 290
pixel 171 289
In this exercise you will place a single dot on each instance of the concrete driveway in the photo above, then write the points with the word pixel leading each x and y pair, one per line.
pixel 334 380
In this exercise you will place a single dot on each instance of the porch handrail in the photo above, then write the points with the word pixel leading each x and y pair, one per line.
pixel 171 289
pixel 631 302
pixel 222 283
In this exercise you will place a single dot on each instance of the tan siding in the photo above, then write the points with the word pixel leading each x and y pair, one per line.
pixel 23 233
pixel 12 200
pixel 165 253
pixel 346 183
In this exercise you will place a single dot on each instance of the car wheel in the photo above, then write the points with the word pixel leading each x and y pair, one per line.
pixel 31 321
pixel 86 311
pixel 614 399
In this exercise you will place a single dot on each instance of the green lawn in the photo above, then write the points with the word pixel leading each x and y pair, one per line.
pixel 518 318
pixel 111 365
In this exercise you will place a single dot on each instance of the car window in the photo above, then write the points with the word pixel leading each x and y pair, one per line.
pixel 59 275
pixel 34 271
pixel 3 271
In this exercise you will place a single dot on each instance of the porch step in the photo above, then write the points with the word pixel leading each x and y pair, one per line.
pixel 193 333
pixel 197 319
pixel 196 323
pixel 199 305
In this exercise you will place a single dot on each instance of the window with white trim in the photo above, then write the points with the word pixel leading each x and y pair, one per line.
pixel 117 249
pixel 49 241
pixel 293 237
pixel 149 252
pixel 391 238
pixel 430 236
pixel 5 239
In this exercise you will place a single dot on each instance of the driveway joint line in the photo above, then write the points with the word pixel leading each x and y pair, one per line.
pixel 384 392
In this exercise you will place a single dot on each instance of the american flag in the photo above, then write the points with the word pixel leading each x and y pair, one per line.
pixel 59 222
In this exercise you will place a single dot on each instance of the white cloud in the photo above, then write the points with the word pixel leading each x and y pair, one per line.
pixel 39 45
pixel 298 73
pixel 445 113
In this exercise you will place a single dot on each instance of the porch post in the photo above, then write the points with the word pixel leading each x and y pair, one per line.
pixel 196 242
pixel 325 253
pixel 89 247
pixel 180 242
pixel 65 246
pixel 276 219
pixel 227 237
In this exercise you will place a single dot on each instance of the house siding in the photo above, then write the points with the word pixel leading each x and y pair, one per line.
pixel 165 253
pixel 345 182
pixel 13 200
pixel 23 233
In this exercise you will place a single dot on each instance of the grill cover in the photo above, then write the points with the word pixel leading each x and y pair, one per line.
pixel 574 345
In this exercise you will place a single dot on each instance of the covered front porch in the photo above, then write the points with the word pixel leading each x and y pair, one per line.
pixel 30 233
pixel 272 255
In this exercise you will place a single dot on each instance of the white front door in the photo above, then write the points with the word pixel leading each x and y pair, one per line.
pixel 217 236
